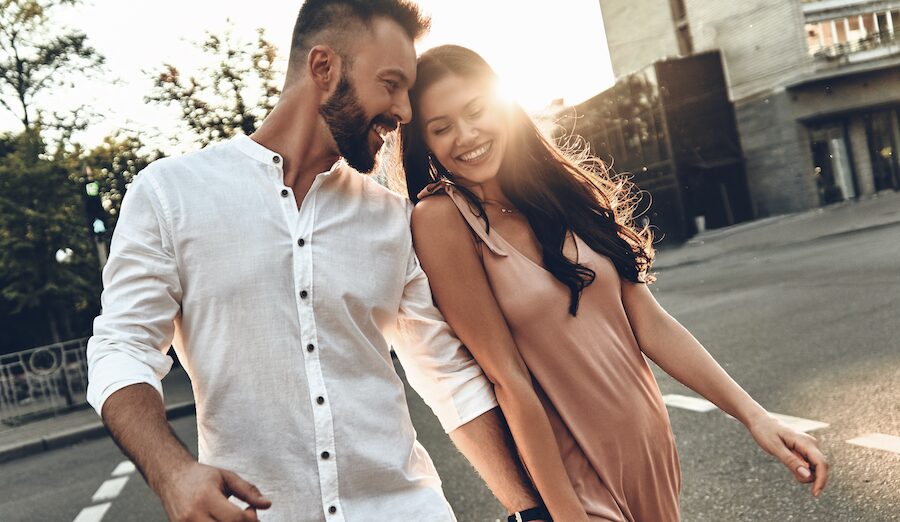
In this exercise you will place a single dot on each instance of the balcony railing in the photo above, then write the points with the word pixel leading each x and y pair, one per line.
pixel 873 46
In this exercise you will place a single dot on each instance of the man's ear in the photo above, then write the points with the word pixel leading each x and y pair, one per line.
pixel 324 66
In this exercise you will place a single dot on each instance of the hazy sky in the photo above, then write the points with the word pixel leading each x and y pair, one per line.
pixel 542 50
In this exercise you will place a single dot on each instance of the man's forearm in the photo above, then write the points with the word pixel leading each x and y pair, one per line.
pixel 486 443
pixel 136 419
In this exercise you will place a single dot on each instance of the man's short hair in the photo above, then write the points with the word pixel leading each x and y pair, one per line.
pixel 337 22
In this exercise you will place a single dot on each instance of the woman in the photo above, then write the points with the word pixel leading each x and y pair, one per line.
pixel 534 261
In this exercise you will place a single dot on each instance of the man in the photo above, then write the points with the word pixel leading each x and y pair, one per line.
pixel 277 272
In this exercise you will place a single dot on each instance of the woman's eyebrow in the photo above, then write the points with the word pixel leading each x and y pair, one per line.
pixel 465 107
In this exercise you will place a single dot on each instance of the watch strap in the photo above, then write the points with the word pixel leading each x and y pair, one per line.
pixel 526 515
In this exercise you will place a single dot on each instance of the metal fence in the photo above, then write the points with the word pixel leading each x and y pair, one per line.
pixel 888 41
pixel 42 381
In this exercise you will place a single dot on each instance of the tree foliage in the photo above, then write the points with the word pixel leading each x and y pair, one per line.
pixel 36 56
pixel 232 96
pixel 41 212
pixel 113 165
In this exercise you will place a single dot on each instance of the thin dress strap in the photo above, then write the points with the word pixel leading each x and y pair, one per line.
pixel 476 224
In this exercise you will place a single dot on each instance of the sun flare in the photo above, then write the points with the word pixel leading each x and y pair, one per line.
pixel 541 51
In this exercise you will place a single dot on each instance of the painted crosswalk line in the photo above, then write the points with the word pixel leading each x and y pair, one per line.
pixel 800 424
pixel 878 441
pixel 688 403
pixel 126 467
pixel 109 489
pixel 92 513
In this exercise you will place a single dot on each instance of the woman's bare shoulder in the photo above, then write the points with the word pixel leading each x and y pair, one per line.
pixel 437 221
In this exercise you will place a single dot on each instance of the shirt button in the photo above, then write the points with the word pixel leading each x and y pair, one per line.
pixel 304 294
pixel 320 400
pixel 284 193
pixel 301 242
pixel 310 347
pixel 325 455
pixel 332 510
pixel 276 159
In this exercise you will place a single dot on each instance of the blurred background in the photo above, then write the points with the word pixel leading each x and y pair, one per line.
pixel 764 135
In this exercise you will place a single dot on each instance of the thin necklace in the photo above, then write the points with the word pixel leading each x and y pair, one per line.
pixel 501 207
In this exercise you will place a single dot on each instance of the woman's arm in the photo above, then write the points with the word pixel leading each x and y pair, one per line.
pixel 447 253
pixel 678 353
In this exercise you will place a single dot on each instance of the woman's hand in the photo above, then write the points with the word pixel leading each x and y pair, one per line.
pixel 798 451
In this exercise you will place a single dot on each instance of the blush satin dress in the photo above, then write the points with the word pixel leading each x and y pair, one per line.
pixel 604 405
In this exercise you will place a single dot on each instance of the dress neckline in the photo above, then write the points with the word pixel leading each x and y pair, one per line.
pixel 516 251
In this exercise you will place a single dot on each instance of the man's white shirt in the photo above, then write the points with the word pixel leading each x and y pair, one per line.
pixel 283 319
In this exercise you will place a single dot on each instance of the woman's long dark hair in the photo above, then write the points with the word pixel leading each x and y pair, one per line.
pixel 557 191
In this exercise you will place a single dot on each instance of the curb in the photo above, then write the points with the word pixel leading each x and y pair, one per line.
pixel 71 436
pixel 695 260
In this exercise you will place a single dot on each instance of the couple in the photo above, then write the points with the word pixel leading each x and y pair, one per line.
pixel 282 276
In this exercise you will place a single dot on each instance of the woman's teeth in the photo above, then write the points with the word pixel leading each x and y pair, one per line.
pixel 478 153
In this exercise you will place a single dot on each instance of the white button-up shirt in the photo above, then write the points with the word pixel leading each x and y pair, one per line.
pixel 283 319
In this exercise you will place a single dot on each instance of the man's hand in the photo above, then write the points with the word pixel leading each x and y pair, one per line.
pixel 189 490
pixel 195 492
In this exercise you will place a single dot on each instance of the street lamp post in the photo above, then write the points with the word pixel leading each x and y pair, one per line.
pixel 96 215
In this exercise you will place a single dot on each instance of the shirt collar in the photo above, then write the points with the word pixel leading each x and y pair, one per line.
pixel 247 146
pixel 250 148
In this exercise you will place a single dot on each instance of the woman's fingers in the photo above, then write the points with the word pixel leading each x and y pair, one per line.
pixel 804 458
pixel 819 464
pixel 795 462
pixel 804 472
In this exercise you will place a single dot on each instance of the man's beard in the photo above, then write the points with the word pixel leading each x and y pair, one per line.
pixel 349 126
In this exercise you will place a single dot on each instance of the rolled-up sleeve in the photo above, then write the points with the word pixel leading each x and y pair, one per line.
pixel 437 365
pixel 140 300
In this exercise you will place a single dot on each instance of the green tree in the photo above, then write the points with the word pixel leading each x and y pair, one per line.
pixel 37 56
pixel 232 96
pixel 112 165
pixel 41 213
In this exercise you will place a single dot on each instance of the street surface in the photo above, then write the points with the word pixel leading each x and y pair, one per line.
pixel 811 329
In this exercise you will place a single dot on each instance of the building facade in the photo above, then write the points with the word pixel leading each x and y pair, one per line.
pixel 671 128
pixel 815 86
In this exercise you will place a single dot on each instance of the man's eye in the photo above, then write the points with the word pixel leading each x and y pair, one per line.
pixel 392 85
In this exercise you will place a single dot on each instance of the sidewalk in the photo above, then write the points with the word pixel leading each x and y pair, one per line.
pixel 84 423
pixel 877 211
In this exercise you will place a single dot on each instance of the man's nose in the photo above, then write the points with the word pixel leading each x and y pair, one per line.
pixel 402 109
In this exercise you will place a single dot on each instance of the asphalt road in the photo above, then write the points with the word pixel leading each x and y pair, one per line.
pixel 810 330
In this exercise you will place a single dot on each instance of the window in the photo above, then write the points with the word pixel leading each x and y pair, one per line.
pixel 883 130
pixel 841 36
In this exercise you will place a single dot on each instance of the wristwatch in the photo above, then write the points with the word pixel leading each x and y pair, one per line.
pixel 535 513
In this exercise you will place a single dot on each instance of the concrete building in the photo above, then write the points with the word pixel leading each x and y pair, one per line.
pixel 671 128
pixel 815 86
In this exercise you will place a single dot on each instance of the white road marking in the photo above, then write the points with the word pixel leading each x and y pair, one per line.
pixel 878 441
pixel 799 424
pixel 688 403
pixel 92 513
pixel 109 489
pixel 126 467
pixel 702 405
